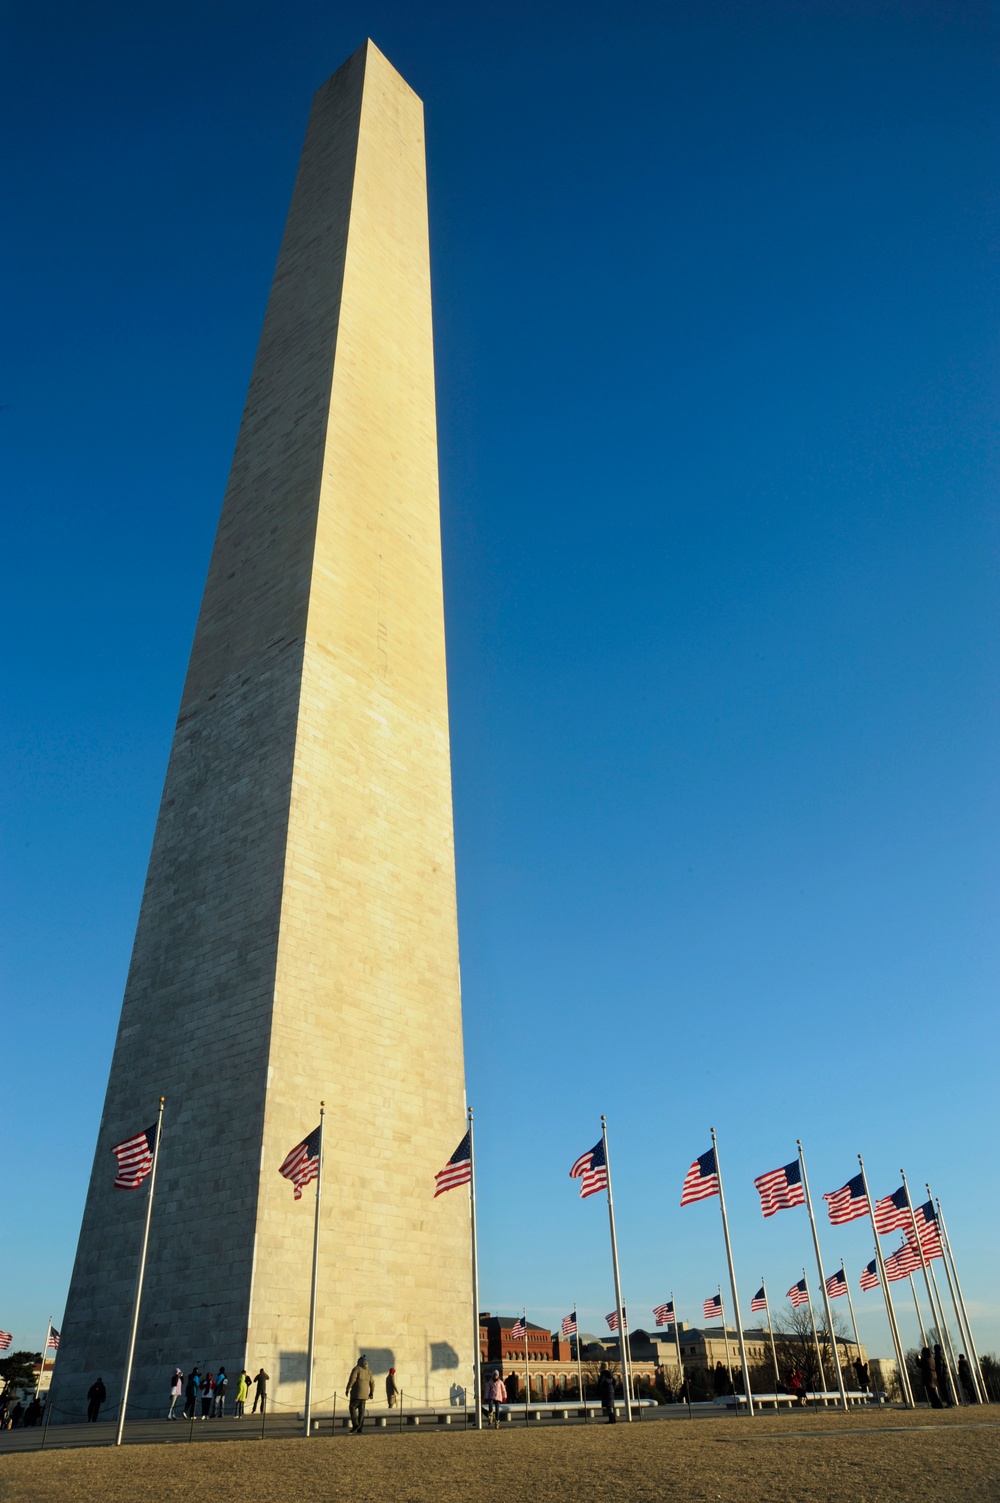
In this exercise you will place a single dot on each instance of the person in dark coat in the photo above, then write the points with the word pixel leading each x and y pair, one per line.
pixel 967 1380
pixel 260 1394
pixel 606 1394
pixel 928 1378
pixel 96 1395
pixel 191 1393
pixel 943 1377
pixel 33 1413
pixel 16 1415
pixel 391 1388
pixel 360 1388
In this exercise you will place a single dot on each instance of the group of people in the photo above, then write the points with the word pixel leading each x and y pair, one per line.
pixel 14 1415
pixel 936 1379
pixel 209 1391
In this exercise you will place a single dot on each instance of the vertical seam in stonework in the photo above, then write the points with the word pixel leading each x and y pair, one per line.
pixel 318 483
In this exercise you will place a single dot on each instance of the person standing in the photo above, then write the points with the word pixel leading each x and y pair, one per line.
pixel 176 1389
pixel 242 1389
pixel 96 1395
pixel 966 1379
pixel 260 1391
pixel 391 1388
pixel 207 1395
pixel 221 1385
pixel 928 1378
pixel 496 1394
pixel 360 1388
pixel 191 1393
pixel 606 1393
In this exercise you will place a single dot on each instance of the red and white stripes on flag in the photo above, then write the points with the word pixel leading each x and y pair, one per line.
pixel 904 1261
pixel 712 1307
pixel 847 1203
pixel 301 1165
pixel 780 1189
pixel 568 1326
pixel 798 1294
pixel 519 1329
pixel 591 1168
pixel 612 1319
pixel 836 1284
pixel 53 1341
pixel 664 1314
pixel 759 1301
pixel 928 1230
pixel 5 1340
pixel 135 1159
pixel 701 1180
pixel 869 1279
pixel 458 1170
pixel 892 1212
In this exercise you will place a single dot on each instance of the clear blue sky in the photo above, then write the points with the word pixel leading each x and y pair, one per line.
pixel 716 319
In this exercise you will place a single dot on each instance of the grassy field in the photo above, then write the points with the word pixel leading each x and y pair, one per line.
pixel 869 1458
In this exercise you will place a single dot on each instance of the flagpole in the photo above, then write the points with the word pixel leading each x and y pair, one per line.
pixel 822 1281
pixel 770 1332
pixel 725 1337
pixel 819 1354
pixel 935 1315
pixel 916 1306
pixel 954 1301
pixel 622 1336
pixel 527 1374
pixel 978 1369
pixel 732 1280
pixel 579 1362
pixel 677 1340
pixel 850 1306
pixel 477 1375
pixel 138 1284
pixel 315 1279
pixel 904 1377
pixel 41 1370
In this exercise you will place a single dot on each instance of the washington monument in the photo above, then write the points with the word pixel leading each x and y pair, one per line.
pixel 297 939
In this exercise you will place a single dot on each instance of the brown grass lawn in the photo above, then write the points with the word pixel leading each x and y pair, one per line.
pixel 869 1458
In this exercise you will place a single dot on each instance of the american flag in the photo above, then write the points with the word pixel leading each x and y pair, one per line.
pixel 701 1180
pixel 568 1326
pixel 892 1212
pixel 712 1307
pixel 664 1314
pixel 592 1168
pixel 302 1164
pixel 869 1279
pixel 836 1284
pixel 781 1189
pixel 930 1232
pixel 612 1319
pixel 798 1294
pixel 5 1340
pixel 135 1159
pixel 759 1301
pixel 904 1261
pixel 53 1340
pixel 458 1170
pixel 847 1203
pixel 519 1328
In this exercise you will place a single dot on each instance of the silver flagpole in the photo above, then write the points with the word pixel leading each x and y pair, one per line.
pixel 890 1310
pixel 138 1283
pixel 41 1371
pixel 579 1360
pixel 850 1305
pixel 725 1337
pixel 622 1333
pixel 527 1373
pixel 976 1364
pixel 819 1354
pixel 770 1332
pixel 916 1306
pixel 677 1340
pixel 477 1375
pixel 315 1279
pixel 822 1283
pixel 935 1315
pixel 732 1280
pixel 962 1334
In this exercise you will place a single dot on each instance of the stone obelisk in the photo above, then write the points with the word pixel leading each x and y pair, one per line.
pixel 297 939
